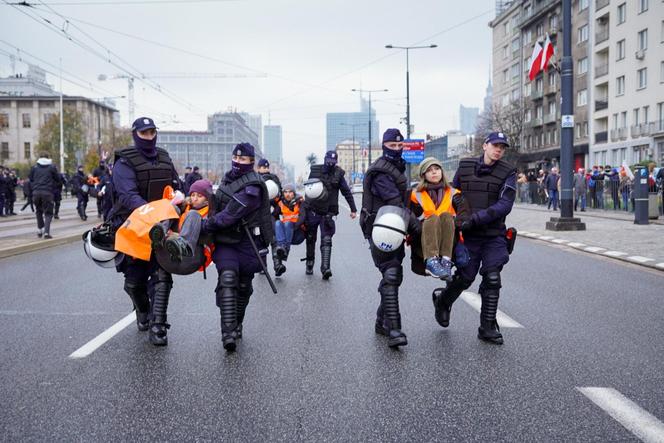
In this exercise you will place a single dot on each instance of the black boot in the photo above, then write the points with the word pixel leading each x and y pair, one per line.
pixel 279 267
pixel 162 290
pixel 139 297
pixel 311 255
pixel 444 298
pixel 326 255
pixel 227 294
pixel 379 327
pixel 489 330
pixel 389 294
pixel 244 293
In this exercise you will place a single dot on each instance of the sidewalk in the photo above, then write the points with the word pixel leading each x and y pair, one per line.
pixel 18 234
pixel 608 233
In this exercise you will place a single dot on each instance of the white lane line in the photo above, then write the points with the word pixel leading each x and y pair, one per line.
pixel 660 265
pixel 615 253
pixel 102 338
pixel 594 249
pixel 639 259
pixel 636 419
pixel 546 237
pixel 531 235
pixel 577 245
pixel 560 241
pixel 475 301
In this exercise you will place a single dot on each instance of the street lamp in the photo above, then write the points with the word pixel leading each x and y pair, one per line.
pixel 353 125
pixel 408 48
pixel 369 91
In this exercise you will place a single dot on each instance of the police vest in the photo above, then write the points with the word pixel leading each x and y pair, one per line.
pixel 332 182
pixel 372 203
pixel 288 215
pixel 428 206
pixel 484 191
pixel 260 220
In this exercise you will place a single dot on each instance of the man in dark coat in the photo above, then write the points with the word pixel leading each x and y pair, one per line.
pixel 44 178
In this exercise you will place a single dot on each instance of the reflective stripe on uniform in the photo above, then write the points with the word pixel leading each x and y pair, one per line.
pixel 428 207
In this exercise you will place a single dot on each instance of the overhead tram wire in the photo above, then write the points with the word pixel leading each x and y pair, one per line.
pixel 123 2
pixel 62 32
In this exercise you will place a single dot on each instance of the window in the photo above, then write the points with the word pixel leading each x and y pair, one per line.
pixel 660 116
pixel 538 111
pixel 646 110
pixel 582 66
pixel 578 130
pixel 555 136
pixel 620 85
pixel 615 121
pixel 505 51
pixel 552 108
pixel 4 120
pixel 622 13
pixel 620 50
pixel 505 76
pixel 662 32
pixel 47 116
pixel 528 36
pixel 552 79
pixel 539 83
pixel 623 119
pixel 582 34
pixel 4 150
pixel 582 97
pixel 528 89
pixel 583 4
pixel 661 72
pixel 26 120
pixel 553 22
pixel 506 28
pixel 585 129
pixel 636 116
pixel 26 150
pixel 642 77
pixel 643 6
pixel 515 70
pixel 515 44
pixel 539 30
pixel 529 115
pixel 642 39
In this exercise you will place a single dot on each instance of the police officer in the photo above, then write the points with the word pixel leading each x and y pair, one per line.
pixel 385 184
pixel 140 174
pixel 241 208
pixel 320 213
pixel 4 190
pixel 263 168
pixel 12 181
pixel 43 179
pixel 79 186
pixel 190 178
pixel 489 186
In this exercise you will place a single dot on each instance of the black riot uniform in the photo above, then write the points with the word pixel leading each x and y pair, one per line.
pixel 264 171
pixel 140 175
pixel 385 184
pixel 321 213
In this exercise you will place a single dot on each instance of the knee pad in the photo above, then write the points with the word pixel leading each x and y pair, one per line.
pixel 326 241
pixel 246 286
pixel 393 276
pixel 161 276
pixel 461 282
pixel 227 279
pixel 491 280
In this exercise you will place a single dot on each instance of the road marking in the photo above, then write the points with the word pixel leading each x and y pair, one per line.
pixel 615 253
pixel 576 244
pixel 639 259
pixel 560 241
pixel 546 237
pixel 102 338
pixel 531 235
pixel 475 301
pixel 660 265
pixel 636 419
pixel 594 249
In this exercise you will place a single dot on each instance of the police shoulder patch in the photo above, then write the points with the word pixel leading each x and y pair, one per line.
pixel 253 190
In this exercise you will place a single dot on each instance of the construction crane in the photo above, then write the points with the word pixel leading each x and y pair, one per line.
pixel 180 75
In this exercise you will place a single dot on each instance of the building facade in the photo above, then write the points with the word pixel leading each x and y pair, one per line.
pixel 342 126
pixel 468 119
pixel 255 123
pixel 273 148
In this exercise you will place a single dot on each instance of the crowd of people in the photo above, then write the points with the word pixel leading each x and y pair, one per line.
pixel 599 187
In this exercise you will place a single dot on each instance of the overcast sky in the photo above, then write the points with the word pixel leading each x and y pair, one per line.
pixel 313 52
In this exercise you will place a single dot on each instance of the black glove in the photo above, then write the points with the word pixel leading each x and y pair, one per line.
pixel 467 225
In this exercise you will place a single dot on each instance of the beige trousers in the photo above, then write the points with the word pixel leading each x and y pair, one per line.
pixel 438 236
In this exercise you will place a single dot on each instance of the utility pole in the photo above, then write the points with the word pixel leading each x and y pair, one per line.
pixel 62 139
pixel 566 221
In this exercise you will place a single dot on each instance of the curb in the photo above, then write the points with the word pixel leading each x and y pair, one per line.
pixel 616 255
pixel 524 206
pixel 37 245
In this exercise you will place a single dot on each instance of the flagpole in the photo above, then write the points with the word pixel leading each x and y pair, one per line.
pixel 566 221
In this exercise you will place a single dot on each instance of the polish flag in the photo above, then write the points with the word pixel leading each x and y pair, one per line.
pixel 547 52
pixel 536 61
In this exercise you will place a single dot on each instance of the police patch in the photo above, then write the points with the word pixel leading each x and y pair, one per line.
pixel 146 121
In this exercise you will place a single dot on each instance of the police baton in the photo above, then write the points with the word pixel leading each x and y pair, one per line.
pixel 253 243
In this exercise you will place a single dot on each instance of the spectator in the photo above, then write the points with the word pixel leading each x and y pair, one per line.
pixel 613 183
pixel 43 179
pixel 551 186
pixel 580 189
pixel 625 188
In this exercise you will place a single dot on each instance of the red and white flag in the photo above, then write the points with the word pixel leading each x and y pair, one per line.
pixel 536 61
pixel 548 52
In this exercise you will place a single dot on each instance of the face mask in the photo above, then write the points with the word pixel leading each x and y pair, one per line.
pixel 240 169
pixel 392 154
pixel 147 147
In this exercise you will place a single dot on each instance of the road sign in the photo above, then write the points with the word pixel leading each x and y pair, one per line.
pixel 413 151
pixel 567 121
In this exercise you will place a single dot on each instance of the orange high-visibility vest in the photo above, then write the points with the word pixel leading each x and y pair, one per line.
pixel 429 208
pixel 287 215
pixel 208 249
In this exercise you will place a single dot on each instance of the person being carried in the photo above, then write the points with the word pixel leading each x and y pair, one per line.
pixel 288 227
pixel 438 206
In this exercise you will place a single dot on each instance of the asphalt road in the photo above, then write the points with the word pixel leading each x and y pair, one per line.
pixel 310 367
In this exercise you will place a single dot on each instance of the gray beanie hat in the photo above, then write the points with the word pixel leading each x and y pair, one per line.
pixel 427 163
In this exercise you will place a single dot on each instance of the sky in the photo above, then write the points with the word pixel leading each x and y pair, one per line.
pixel 312 53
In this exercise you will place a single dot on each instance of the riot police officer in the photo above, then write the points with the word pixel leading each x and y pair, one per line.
pixel 489 186
pixel 274 189
pixel 241 209
pixel 140 174
pixel 320 212
pixel 386 185
pixel 79 186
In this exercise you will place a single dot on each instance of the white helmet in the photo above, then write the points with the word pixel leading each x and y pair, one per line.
pixel 272 189
pixel 314 189
pixel 98 246
pixel 389 228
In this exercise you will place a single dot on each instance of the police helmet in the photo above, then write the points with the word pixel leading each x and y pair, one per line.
pixel 272 189
pixel 389 228
pixel 98 244
pixel 314 189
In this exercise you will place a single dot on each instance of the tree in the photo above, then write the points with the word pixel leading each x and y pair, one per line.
pixel 507 119
pixel 74 137
pixel 312 159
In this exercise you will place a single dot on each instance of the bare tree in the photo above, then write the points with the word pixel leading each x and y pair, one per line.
pixel 507 119
pixel 312 159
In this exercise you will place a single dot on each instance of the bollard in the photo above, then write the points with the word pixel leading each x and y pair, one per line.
pixel 641 195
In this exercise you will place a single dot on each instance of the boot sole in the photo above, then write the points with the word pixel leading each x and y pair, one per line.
pixel 156 341
pixel 230 346
pixel 327 274
pixel 173 251
pixel 396 342
pixel 492 340
pixel 157 236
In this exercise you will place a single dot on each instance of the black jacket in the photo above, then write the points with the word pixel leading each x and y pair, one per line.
pixel 43 176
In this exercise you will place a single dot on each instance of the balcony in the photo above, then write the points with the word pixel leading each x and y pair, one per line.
pixel 658 127
pixel 535 12
pixel 536 94
pixel 614 135
pixel 600 4
pixel 550 118
pixel 601 70
pixel 552 89
pixel 646 129
pixel 601 104
pixel 601 137
pixel 635 131
pixel 622 133
pixel 602 35
pixel 536 122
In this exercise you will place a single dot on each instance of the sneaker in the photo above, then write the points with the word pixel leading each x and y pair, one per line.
pixel 447 269
pixel 47 235
pixel 434 268
pixel 40 232
pixel 177 247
